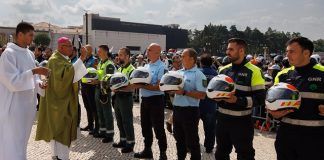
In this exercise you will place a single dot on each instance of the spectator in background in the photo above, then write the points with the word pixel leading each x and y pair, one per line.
pixel 47 53
pixel 38 54
pixel 140 61
pixel 207 106
pixel 74 56
pixel 165 60
pixel 116 62
pixel 176 63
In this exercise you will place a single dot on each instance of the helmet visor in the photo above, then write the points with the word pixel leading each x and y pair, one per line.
pixel 221 86
pixel 117 80
pixel 274 94
pixel 139 74
pixel 90 75
pixel 170 80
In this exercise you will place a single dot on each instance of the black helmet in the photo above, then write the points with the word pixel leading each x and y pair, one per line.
pixel 285 62
pixel 226 61
pixel 278 59
pixel 219 59
pixel 273 55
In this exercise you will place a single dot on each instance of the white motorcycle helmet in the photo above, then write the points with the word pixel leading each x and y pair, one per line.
pixel 171 81
pixel 221 86
pixel 283 96
pixel 118 80
pixel 140 75
pixel 316 57
pixel 249 57
pixel 91 75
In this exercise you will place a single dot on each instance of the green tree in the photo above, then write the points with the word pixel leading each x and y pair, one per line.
pixel 319 45
pixel 42 39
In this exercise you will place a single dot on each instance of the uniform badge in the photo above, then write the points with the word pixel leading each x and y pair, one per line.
pixel 204 83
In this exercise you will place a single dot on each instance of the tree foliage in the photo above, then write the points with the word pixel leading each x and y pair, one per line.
pixel 42 39
pixel 213 39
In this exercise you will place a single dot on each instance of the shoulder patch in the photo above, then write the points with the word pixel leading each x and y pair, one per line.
pixel 204 83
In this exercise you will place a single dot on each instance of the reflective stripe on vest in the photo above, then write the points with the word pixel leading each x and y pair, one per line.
pixel 242 88
pixel 312 95
pixel 308 123
pixel 234 113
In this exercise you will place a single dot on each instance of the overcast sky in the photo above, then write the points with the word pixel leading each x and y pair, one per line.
pixel 304 16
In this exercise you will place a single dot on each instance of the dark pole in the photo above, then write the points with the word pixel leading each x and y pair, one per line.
pixel 86 16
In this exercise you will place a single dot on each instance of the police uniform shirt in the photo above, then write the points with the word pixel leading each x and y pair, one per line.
pixel 194 80
pixel 157 70
pixel 90 61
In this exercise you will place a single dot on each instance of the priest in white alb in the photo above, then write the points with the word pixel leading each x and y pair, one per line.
pixel 19 84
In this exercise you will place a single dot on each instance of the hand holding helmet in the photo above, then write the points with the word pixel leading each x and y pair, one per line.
pixel 118 80
pixel 282 96
pixel 140 75
pixel 90 76
pixel 171 81
pixel 220 87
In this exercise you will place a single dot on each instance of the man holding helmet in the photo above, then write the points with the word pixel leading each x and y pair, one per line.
pixel 152 106
pixel 234 126
pixel 103 99
pixel 300 135
pixel 186 106
pixel 124 105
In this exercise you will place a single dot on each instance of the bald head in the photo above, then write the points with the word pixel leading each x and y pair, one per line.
pixel 155 47
pixel 153 52
pixel 89 50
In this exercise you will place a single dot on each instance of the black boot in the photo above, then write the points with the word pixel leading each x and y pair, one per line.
pixel 129 148
pixel 55 158
pixel 98 135
pixel 107 140
pixel 87 128
pixel 146 153
pixel 120 144
pixel 163 156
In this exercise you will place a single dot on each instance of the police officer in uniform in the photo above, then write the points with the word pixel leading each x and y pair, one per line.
pixel 186 106
pixel 234 125
pixel 124 105
pixel 301 132
pixel 103 100
pixel 152 106
pixel 88 96
pixel 207 106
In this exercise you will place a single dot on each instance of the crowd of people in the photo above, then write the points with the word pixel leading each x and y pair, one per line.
pixel 227 122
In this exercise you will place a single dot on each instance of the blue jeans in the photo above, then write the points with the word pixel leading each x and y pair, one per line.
pixel 209 122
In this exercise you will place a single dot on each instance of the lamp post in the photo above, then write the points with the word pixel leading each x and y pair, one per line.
pixel 86 21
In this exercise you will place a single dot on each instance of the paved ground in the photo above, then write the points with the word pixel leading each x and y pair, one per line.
pixel 87 147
